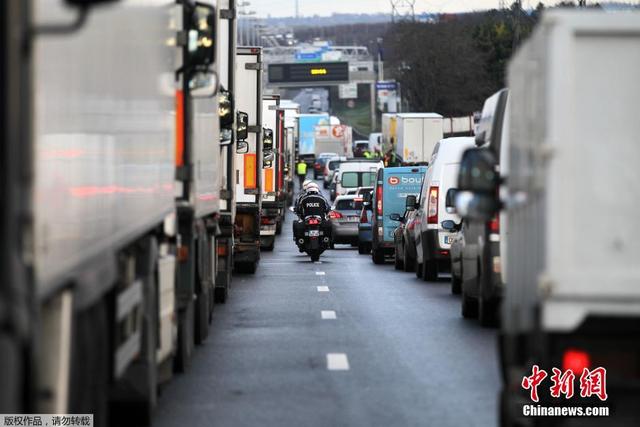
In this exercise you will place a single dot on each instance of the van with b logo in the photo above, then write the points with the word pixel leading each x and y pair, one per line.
pixel 392 187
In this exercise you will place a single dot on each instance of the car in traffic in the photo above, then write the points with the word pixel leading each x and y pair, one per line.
pixel 392 187
pixel 320 162
pixel 344 217
pixel 481 276
pixel 364 226
pixel 356 173
pixel 330 166
pixel 432 240
pixel 404 242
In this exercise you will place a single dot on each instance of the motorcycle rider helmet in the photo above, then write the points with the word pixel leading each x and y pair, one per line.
pixel 306 183
pixel 313 186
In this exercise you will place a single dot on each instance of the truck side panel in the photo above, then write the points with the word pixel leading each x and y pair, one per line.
pixel 104 148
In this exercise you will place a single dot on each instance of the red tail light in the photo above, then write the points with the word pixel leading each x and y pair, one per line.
pixel 266 221
pixel 363 217
pixel 379 199
pixel 313 221
pixel 576 360
pixel 432 205
pixel 335 215
pixel 494 224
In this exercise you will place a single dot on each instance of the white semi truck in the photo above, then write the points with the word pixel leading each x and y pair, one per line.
pixel 248 159
pixel 416 136
pixel 572 299
pixel 112 183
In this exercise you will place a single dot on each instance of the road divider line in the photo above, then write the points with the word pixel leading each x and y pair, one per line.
pixel 337 362
pixel 323 289
pixel 319 273
pixel 328 314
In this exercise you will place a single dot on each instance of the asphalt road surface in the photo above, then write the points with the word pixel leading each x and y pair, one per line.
pixel 397 353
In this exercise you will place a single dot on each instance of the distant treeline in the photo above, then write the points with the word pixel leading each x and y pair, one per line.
pixel 449 65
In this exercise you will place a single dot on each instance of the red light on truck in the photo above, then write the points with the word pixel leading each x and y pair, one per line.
pixel 179 128
pixel 222 249
pixel 432 205
pixel 494 224
pixel 576 360
pixel 379 199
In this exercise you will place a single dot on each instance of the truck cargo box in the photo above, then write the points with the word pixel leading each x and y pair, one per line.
pixel 574 241
pixel 417 135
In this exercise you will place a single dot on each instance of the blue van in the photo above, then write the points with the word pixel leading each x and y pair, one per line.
pixel 392 187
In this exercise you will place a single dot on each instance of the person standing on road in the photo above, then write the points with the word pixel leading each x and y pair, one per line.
pixel 301 171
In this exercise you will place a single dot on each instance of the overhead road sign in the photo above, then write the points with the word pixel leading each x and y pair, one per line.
pixel 309 73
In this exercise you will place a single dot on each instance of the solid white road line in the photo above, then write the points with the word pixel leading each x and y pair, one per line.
pixel 323 289
pixel 337 362
pixel 328 314
pixel 319 273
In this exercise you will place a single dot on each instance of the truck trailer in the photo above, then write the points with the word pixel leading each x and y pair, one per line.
pixel 417 135
pixel 272 206
pixel 248 159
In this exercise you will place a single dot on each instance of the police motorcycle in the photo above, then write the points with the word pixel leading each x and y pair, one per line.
pixel 313 230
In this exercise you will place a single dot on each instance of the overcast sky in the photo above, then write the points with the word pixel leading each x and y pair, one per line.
pixel 327 7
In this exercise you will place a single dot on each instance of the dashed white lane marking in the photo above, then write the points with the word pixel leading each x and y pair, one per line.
pixel 323 289
pixel 337 362
pixel 317 262
pixel 319 273
pixel 328 314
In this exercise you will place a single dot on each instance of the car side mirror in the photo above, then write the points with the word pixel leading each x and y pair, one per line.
pixel 450 226
pixel 201 38
pixel 242 131
pixel 242 147
pixel 478 184
pixel 480 138
pixel 203 84
pixel 411 203
pixel 450 200
pixel 267 140
pixel 395 217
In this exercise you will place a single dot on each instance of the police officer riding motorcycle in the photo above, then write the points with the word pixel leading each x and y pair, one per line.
pixel 312 230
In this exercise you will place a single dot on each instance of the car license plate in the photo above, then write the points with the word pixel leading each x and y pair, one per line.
pixel 353 219
pixel 448 240
pixel 314 233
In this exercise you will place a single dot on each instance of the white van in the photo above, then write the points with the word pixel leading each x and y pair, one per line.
pixel 357 173
pixel 432 241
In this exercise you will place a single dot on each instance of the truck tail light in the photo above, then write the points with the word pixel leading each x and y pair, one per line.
pixel 379 199
pixel 576 360
pixel 494 224
pixel 432 205
pixel 222 249
pixel 265 220
pixel 179 128
pixel 335 215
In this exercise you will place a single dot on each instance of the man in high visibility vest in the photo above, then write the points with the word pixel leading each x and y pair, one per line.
pixel 301 171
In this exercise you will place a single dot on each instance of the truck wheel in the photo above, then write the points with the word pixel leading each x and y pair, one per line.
pixel 377 256
pixel 279 228
pixel 201 327
pixel 270 246
pixel 185 338
pixel 89 380
pixel 430 271
pixel 222 292
pixel 418 270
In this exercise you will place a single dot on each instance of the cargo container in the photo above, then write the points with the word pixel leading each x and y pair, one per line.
pixel 417 134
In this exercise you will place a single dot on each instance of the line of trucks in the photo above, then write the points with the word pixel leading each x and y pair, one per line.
pixel 141 165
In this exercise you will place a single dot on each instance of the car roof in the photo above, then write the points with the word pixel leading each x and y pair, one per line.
pixel 346 197
pixel 405 169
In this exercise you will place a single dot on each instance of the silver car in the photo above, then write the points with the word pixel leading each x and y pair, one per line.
pixel 344 216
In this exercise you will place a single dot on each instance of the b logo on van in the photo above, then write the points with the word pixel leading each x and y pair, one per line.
pixel 394 180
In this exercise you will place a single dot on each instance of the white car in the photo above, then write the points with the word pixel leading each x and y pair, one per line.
pixel 432 240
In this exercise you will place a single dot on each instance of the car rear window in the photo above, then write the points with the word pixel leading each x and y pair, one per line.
pixel 354 205
pixel 333 165
pixel 350 179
